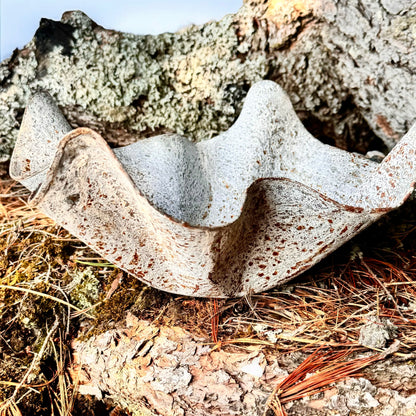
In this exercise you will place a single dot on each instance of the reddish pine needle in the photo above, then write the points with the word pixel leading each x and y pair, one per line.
pixel 326 368
pixel 214 321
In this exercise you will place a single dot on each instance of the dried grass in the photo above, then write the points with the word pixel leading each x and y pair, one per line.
pixel 63 396
pixel 9 408
pixel 330 308
pixel 33 270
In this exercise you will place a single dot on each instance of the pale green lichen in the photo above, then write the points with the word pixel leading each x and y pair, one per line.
pixel 188 82
pixel 15 91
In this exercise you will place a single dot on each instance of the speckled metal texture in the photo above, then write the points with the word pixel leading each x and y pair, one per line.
pixel 242 212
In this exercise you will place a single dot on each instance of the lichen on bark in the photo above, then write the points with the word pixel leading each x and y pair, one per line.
pixel 191 82
pixel 349 67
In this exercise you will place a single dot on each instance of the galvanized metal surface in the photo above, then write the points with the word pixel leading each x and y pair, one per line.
pixel 244 211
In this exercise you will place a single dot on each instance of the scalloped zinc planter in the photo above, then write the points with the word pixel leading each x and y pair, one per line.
pixel 241 212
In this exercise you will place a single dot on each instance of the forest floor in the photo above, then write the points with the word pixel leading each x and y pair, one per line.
pixel 54 289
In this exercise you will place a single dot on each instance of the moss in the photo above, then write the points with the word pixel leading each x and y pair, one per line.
pixel 85 288
pixel 131 295
pixel 34 260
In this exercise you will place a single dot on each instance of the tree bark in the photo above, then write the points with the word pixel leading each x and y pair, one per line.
pixel 154 370
pixel 348 66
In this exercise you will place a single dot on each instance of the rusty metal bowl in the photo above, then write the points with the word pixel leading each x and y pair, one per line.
pixel 239 213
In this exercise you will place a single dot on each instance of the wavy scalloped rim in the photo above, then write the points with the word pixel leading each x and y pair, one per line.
pixel 239 213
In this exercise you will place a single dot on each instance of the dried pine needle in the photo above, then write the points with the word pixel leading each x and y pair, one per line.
pixel 316 373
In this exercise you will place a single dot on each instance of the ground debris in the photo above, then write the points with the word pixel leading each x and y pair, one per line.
pixel 376 333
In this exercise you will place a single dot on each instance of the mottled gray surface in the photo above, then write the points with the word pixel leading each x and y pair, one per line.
pixel 349 67
pixel 239 213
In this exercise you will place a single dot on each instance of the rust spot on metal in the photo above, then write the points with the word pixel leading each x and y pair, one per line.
pixel 27 165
